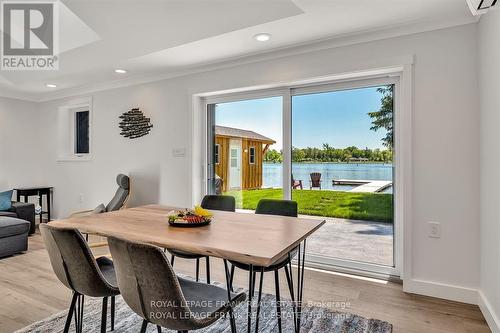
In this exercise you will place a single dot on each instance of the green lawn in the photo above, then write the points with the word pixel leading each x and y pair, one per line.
pixel 357 206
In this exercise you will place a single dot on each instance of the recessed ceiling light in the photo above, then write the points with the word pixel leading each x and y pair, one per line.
pixel 262 37
pixel 120 71
pixel 51 85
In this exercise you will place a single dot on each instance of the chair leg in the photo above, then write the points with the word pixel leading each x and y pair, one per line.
pixel 229 298
pixel 208 269
pixel 232 321
pixel 172 259
pixel 278 298
pixel 197 269
pixel 113 313
pixel 254 280
pixel 104 314
pixel 79 313
pixel 232 277
pixel 70 312
pixel 144 326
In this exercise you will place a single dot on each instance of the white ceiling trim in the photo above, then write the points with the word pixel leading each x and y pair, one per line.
pixel 311 46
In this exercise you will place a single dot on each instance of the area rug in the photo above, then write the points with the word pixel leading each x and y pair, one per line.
pixel 314 320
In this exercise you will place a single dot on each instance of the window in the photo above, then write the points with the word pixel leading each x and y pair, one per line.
pixel 234 158
pixel 251 156
pixel 217 147
pixel 82 132
pixel 75 130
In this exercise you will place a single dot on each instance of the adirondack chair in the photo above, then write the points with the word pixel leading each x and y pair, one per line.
pixel 296 183
pixel 315 181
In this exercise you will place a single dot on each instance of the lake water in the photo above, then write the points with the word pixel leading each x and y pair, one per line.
pixel 272 173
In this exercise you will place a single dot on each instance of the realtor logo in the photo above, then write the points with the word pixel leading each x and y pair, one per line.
pixel 30 35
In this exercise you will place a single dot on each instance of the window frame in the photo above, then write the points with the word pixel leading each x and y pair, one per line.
pixel 67 130
pixel 217 154
pixel 402 73
pixel 250 155
pixel 76 132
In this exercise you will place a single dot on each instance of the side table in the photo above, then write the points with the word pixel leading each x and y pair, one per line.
pixel 39 191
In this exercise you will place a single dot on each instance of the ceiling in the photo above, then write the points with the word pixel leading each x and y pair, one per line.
pixel 148 37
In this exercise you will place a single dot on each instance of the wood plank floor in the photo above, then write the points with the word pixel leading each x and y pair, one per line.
pixel 29 291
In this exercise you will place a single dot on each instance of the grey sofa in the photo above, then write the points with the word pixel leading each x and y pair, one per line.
pixel 13 235
pixel 15 226
pixel 23 211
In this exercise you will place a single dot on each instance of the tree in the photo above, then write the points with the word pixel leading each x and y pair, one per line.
pixel 383 118
pixel 273 155
pixel 298 155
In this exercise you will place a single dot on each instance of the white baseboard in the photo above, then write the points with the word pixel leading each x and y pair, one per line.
pixel 455 293
pixel 488 313
pixel 441 290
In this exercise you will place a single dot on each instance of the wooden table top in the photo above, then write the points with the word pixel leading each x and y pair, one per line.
pixel 248 238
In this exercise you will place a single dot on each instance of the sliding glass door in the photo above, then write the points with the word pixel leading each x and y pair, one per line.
pixel 245 137
pixel 330 148
pixel 342 171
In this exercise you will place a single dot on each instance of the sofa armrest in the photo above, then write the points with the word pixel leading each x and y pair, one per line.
pixel 25 211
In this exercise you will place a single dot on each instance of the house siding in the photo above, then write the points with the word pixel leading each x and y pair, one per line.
pixel 251 173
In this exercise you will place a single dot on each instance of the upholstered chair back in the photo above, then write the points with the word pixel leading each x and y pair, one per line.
pixel 73 262
pixel 121 194
pixel 219 202
pixel 277 207
pixel 148 284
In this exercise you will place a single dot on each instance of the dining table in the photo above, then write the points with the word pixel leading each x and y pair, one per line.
pixel 252 239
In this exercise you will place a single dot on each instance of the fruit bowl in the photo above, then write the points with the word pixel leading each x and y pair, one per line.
pixel 190 218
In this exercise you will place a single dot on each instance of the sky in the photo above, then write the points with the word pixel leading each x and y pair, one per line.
pixel 338 118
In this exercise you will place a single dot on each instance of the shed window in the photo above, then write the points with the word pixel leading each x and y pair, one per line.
pixel 216 152
pixel 252 155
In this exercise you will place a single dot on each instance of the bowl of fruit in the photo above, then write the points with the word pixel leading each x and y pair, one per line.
pixel 190 218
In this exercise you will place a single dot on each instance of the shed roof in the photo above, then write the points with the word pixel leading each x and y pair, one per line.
pixel 241 133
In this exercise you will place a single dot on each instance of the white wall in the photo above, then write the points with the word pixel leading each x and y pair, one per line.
pixel 445 140
pixel 21 144
pixel 489 83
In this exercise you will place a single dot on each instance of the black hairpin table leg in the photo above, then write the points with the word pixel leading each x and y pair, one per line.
pixel 250 294
pixel 300 281
pixel 259 298
pixel 229 287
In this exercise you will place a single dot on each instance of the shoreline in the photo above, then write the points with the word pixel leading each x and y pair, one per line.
pixel 374 162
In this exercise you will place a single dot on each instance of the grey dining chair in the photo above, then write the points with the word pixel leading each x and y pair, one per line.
pixel 211 202
pixel 150 287
pixel 271 207
pixel 76 267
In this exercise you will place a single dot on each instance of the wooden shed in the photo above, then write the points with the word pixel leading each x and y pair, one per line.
pixel 239 156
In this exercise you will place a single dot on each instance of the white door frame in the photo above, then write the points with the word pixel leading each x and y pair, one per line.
pixel 402 76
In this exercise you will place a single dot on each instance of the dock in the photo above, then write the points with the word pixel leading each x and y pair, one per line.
pixel 364 186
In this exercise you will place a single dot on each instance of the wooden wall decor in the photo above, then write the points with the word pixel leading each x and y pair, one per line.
pixel 134 124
